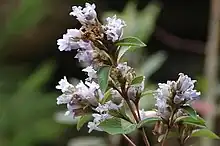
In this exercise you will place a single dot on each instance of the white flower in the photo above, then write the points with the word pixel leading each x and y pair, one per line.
pixel 64 99
pixel 69 40
pixel 98 118
pixel 185 91
pixel 85 56
pixel 109 105
pixel 93 126
pixel 114 28
pixel 85 15
pixel 71 109
pixel 65 86
pixel 91 72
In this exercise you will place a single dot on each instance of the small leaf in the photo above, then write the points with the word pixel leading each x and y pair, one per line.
pixel 190 111
pixel 191 121
pixel 103 75
pixel 127 127
pixel 82 120
pixel 112 126
pixel 130 41
pixel 107 96
pixel 204 133
pixel 137 80
pixel 148 121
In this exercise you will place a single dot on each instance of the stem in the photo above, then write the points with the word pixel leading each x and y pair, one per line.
pixel 146 141
pixel 132 110
pixel 129 140
pixel 170 124
pixel 165 136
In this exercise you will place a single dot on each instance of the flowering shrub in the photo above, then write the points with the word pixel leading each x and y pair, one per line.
pixel 109 98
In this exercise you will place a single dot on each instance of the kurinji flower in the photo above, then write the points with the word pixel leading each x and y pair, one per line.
pixel 91 72
pixel 85 56
pixel 109 105
pixel 114 28
pixel 85 15
pixel 185 90
pixel 65 86
pixel 179 92
pixel 69 40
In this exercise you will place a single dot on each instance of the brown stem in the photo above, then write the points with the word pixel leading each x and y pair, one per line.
pixel 129 140
pixel 165 137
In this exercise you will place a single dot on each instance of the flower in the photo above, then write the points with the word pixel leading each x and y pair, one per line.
pixel 64 99
pixel 85 15
pixel 91 73
pixel 114 28
pixel 109 105
pixel 185 90
pixel 178 92
pixel 65 86
pixel 69 40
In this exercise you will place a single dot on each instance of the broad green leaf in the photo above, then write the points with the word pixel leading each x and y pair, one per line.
pixel 119 114
pixel 190 111
pixel 204 133
pixel 112 126
pixel 103 75
pixel 148 121
pixel 191 121
pixel 138 80
pixel 82 120
pixel 130 41
pixel 127 126
pixel 115 126
pixel 107 96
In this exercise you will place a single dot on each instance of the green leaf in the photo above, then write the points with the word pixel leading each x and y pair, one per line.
pixel 127 126
pixel 107 96
pixel 112 126
pixel 122 50
pixel 204 133
pixel 82 120
pixel 191 121
pixel 103 75
pixel 145 93
pixel 138 80
pixel 130 41
pixel 115 126
pixel 148 121
pixel 190 111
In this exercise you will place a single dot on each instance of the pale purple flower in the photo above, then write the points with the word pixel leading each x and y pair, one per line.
pixel 114 28
pixel 85 15
pixel 91 72
pixel 69 40
pixel 65 86
pixel 185 90
pixel 85 56
pixel 64 99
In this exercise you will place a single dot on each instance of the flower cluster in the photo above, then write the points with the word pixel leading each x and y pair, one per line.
pixel 174 94
pixel 88 39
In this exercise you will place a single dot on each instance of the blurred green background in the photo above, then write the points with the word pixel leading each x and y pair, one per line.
pixel 175 32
